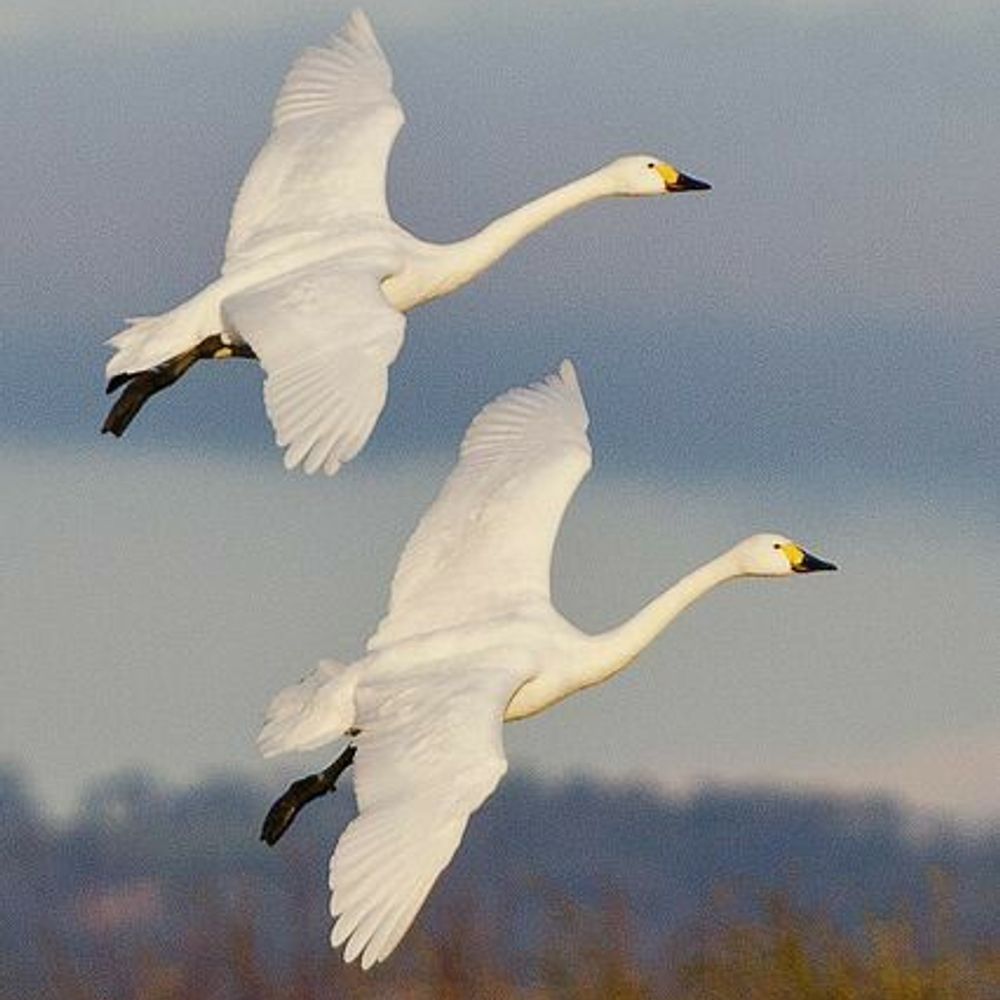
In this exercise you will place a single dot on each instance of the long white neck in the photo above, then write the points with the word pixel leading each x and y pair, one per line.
pixel 455 264
pixel 493 241
pixel 616 648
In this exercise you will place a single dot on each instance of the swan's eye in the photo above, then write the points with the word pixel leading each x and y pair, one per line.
pixel 777 545
pixel 652 166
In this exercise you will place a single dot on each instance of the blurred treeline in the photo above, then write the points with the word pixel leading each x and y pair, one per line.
pixel 574 890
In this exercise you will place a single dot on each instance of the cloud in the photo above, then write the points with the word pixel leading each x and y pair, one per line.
pixel 831 300
pixel 122 23
pixel 811 348
pixel 113 23
pixel 153 603
pixel 950 773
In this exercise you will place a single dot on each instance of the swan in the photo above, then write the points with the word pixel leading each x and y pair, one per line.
pixel 317 276
pixel 470 641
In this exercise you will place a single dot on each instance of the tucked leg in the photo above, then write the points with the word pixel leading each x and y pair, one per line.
pixel 280 815
pixel 141 385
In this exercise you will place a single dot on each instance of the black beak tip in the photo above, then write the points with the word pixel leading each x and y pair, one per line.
pixel 813 564
pixel 687 183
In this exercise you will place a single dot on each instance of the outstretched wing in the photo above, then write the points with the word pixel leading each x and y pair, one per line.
pixel 325 335
pixel 430 752
pixel 485 544
pixel 333 127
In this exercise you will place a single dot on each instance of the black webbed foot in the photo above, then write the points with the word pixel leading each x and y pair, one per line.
pixel 280 815
pixel 300 793
pixel 140 386
pixel 119 380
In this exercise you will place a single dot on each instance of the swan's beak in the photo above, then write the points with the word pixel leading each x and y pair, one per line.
pixel 674 180
pixel 806 562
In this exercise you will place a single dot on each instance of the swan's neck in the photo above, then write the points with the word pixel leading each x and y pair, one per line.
pixel 617 648
pixel 493 241
pixel 449 267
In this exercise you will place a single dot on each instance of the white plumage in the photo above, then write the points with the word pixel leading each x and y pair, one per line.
pixel 317 276
pixel 471 640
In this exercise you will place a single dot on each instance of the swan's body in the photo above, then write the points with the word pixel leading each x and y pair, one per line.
pixel 471 640
pixel 317 276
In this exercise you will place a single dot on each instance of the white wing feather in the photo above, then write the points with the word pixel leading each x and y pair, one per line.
pixel 485 544
pixel 429 754
pixel 325 335
pixel 334 124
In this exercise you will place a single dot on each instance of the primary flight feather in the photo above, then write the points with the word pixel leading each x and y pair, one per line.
pixel 470 641
pixel 317 276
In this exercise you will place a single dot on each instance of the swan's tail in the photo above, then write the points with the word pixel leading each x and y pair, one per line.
pixel 153 352
pixel 317 710
pixel 148 341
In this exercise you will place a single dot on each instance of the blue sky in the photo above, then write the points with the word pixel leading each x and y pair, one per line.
pixel 812 347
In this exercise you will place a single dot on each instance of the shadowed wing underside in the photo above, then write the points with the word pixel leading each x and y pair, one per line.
pixel 429 754
pixel 325 336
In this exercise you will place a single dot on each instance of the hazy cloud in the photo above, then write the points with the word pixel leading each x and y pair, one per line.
pixel 836 290
pixel 812 347
pixel 121 22
pixel 154 603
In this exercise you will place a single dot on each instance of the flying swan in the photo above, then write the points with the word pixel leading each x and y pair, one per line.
pixel 471 640
pixel 317 276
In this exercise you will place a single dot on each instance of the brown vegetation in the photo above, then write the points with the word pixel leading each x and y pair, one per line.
pixel 150 894
pixel 782 953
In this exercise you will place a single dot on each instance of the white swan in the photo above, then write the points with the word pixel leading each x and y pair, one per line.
pixel 317 276
pixel 471 640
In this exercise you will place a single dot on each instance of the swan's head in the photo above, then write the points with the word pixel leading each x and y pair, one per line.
pixel 639 175
pixel 775 555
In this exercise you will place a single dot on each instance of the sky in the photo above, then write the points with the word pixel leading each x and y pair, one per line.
pixel 809 348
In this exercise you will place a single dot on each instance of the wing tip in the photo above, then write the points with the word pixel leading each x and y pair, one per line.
pixel 358 28
pixel 565 378
pixel 567 373
pixel 568 379
pixel 533 401
pixel 358 17
pixel 312 462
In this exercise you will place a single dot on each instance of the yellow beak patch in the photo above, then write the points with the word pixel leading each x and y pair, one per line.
pixel 793 553
pixel 667 172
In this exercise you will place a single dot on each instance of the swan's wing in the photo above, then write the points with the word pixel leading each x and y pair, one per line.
pixel 485 544
pixel 334 124
pixel 325 335
pixel 429 754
